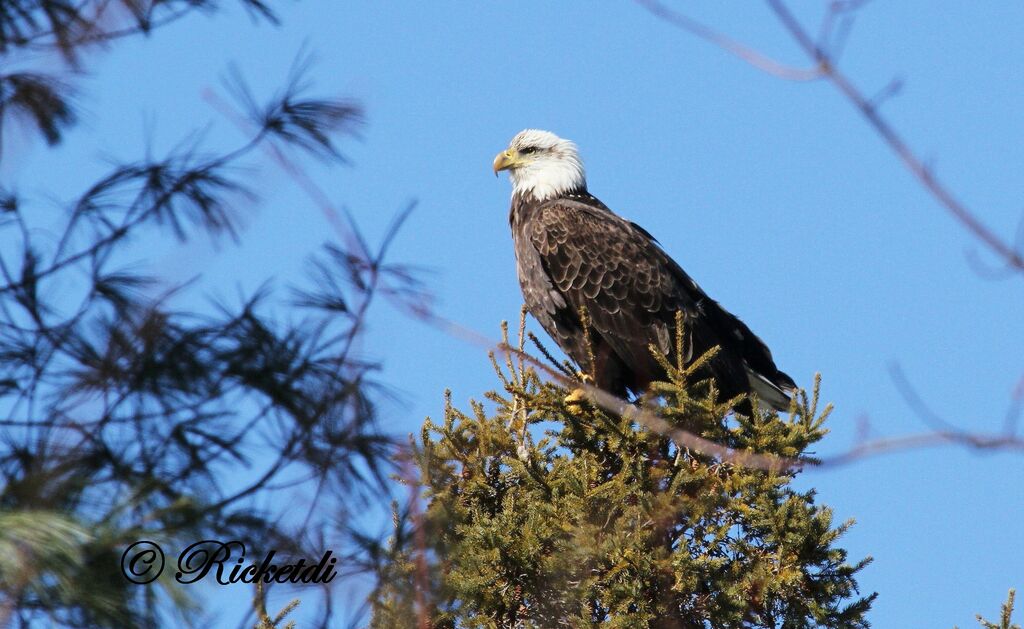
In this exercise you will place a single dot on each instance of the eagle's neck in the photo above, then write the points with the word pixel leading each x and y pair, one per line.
pixel 549 177
pixel 524 206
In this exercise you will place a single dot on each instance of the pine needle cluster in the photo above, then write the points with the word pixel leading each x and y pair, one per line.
pixel 544 512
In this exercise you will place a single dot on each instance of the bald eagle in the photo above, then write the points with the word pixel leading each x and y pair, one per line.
pixel 572 252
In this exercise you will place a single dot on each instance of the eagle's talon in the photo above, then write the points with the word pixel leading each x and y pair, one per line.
pixel 575 400
pixel 576 396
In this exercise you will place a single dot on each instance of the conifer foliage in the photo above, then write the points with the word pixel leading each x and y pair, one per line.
pixel 604 522
pixel 131 409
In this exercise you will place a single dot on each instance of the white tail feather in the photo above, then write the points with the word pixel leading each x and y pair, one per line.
pixel 767 391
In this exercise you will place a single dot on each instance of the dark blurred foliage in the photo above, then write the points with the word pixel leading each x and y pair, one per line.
pixel 126 417
pixel 71 28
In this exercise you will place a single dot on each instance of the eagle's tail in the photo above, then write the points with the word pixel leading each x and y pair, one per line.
pixel 775 394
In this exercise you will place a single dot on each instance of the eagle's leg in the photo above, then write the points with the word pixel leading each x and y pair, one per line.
pixel 609 374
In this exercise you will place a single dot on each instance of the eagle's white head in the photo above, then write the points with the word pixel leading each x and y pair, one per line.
pixel 541 165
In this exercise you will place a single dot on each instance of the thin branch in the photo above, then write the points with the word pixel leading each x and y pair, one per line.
pixel 747 54
pixel 917 166
pixel 1014 411
pixel 917 404
pixel 825 67
pixel 686 439
pixel 920 441
pixel 119 233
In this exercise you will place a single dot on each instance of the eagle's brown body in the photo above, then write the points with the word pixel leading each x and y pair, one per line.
pixel 573 252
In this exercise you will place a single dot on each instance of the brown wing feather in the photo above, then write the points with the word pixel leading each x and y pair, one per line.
pixel 631 289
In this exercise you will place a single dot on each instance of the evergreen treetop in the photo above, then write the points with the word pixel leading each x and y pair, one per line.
pixel 602 521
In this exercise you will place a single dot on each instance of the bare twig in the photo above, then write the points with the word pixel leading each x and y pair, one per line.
pixel 1014 411
pixel 418 518
pixel 751 56
pixel 825 67
pixel 916 165
pixel 920 441
pixel 917 404
pixel 687 439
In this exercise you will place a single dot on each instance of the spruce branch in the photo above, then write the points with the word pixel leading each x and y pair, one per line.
pixel 606 521
pixel 264 620
pixel 1005 616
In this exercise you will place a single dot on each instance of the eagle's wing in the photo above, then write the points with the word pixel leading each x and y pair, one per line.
pixel 763 376
pixel 626 282
pixel 632 289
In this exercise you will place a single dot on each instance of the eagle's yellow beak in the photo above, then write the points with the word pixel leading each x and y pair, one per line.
pixel 505 160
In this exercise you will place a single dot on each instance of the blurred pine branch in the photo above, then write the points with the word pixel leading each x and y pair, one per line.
pixel 126 416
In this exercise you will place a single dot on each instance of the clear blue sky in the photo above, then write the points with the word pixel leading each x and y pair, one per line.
pixel 774 195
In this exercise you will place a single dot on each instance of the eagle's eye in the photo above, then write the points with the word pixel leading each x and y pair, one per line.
pixel 526 150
